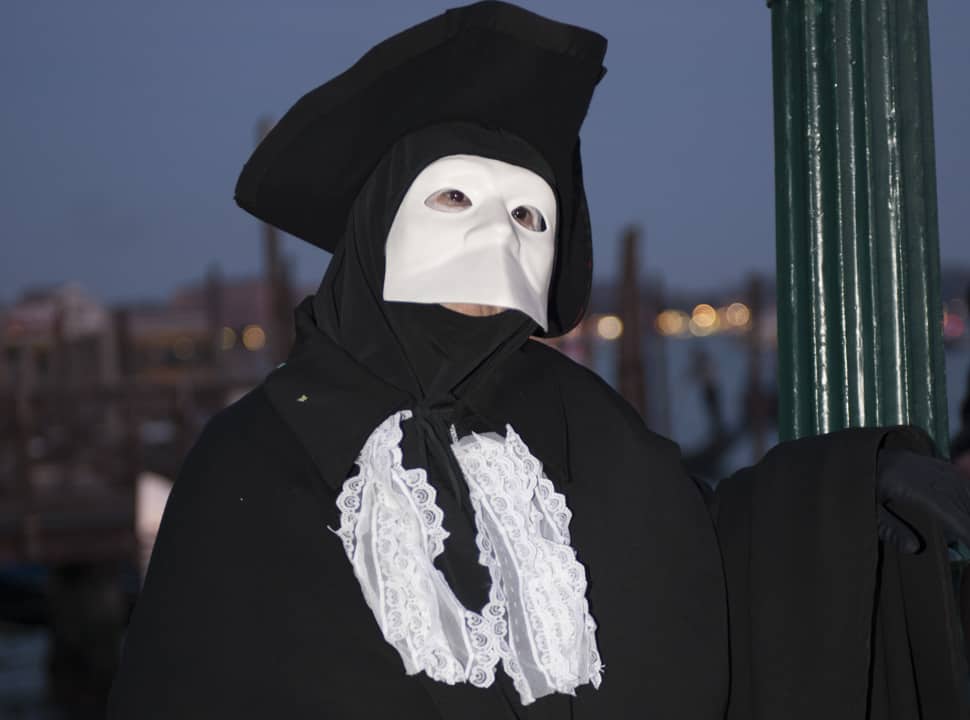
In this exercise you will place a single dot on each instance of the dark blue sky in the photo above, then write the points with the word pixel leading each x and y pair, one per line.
pixel 124 125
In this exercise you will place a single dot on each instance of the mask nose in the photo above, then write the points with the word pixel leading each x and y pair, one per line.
pixel 495 227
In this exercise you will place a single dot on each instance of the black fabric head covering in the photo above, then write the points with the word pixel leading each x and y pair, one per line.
pixel 434 355
pixel 426 350
pixel 490 63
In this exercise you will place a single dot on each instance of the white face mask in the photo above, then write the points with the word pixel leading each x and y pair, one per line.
pixel 474 230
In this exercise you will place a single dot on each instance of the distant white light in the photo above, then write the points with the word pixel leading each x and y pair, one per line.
pixel 738 314
pixel 609 327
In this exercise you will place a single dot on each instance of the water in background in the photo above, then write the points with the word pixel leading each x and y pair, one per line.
pixel 23 657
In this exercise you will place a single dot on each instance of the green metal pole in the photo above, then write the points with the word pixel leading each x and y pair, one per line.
pixel 859 309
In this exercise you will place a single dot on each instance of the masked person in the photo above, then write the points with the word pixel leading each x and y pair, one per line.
pixel 423 513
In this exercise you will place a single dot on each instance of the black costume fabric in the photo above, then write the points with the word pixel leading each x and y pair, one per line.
pixel 250 608
pixel 826 621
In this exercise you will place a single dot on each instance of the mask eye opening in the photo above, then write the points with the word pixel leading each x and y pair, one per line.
pixel 448 200
pixel 529 217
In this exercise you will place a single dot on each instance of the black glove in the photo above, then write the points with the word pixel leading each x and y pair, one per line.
pixel 935 485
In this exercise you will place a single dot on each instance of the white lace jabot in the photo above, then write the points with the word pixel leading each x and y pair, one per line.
pixel 536 620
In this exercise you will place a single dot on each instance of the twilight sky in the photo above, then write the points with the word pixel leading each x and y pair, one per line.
pixel 125 124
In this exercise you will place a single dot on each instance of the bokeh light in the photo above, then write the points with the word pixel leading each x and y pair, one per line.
pixel 703 320
pixel 228 340
pixel 672 322
pixel 609 327
pixel 253 337
pixel 737 314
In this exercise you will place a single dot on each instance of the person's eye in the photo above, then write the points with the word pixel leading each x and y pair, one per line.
pixel 449 200
pixel 529 217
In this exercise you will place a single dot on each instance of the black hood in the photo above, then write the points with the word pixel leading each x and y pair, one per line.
pixel 429 352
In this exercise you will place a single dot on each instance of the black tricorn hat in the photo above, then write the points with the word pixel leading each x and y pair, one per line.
pixel 490 63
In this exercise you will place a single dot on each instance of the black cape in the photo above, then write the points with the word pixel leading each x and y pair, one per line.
pixel 250 608
pixel 825 620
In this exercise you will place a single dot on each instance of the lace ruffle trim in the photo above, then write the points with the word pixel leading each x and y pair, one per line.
pixel 537 616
